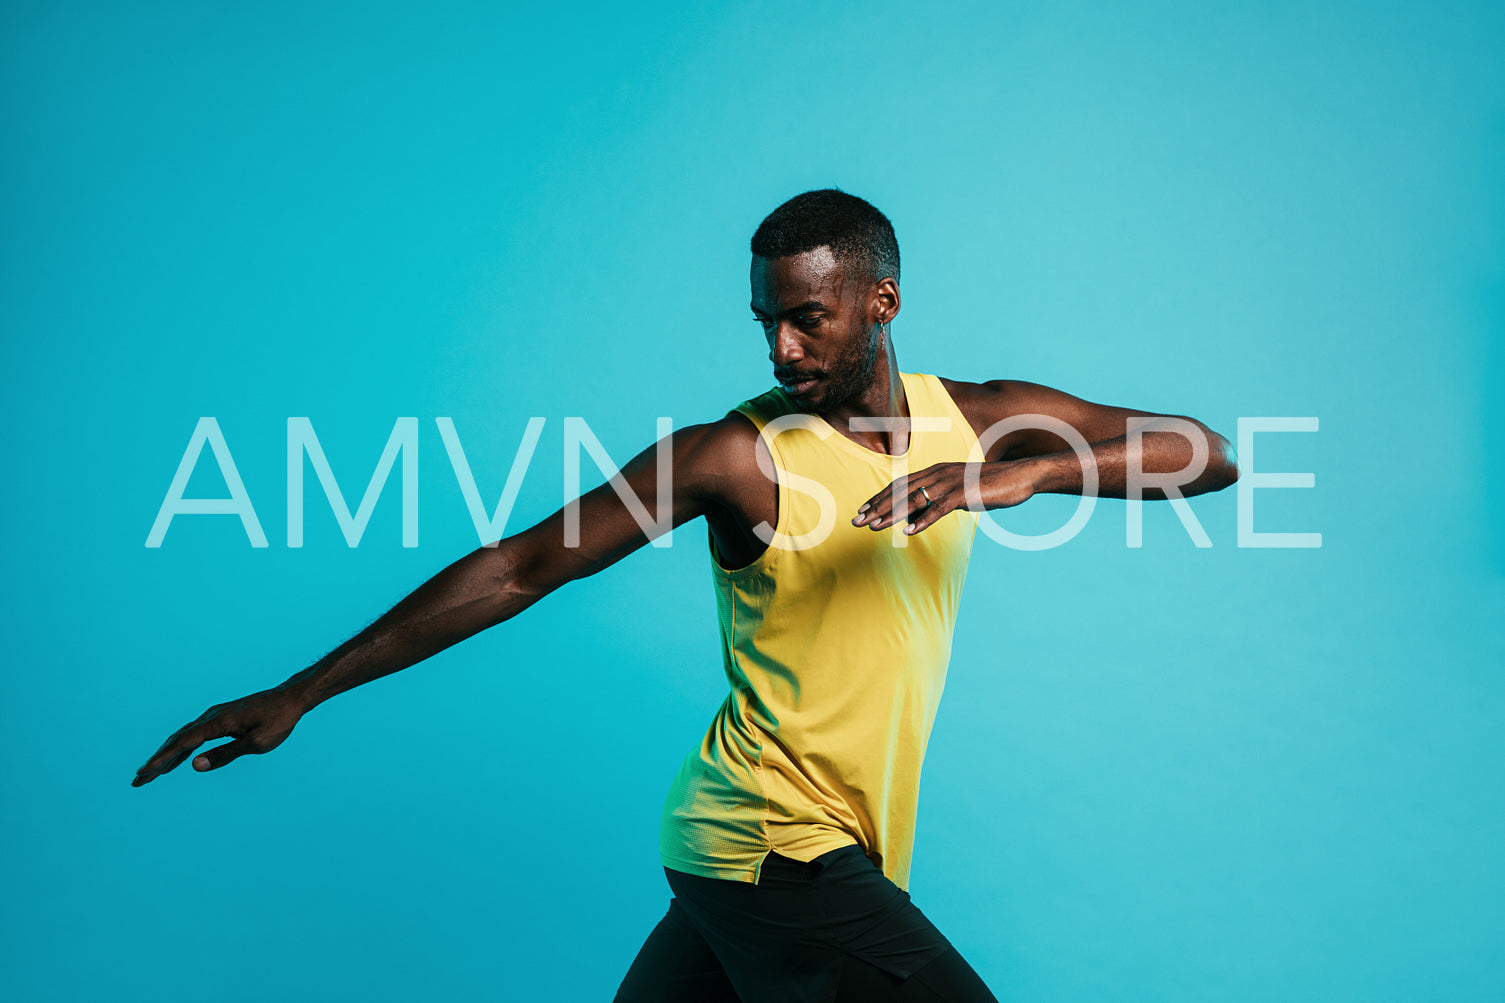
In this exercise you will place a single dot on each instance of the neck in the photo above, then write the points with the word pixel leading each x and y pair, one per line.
pixel 884 398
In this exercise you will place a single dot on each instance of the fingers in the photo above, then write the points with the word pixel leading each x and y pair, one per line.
pixel 920 499
pixel 166 759
pixel 925 518
pixel 880 506
pixel 904 499
pixel 213 759
pixel 178 747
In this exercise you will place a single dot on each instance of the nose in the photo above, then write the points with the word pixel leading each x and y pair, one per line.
pixel 785 349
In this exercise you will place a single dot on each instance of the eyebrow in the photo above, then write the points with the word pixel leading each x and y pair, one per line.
pixel 809 306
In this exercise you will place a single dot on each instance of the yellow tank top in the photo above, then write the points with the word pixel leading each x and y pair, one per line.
pixel 835 642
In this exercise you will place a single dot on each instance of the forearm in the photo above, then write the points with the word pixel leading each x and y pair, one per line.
pixel 1163 453
pixel 478 591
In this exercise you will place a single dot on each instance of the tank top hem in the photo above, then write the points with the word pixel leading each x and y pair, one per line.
pixel 725 872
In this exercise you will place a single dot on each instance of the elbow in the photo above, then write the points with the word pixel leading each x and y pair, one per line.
pixel 526 579
pixel 1223 461
pixel 513 572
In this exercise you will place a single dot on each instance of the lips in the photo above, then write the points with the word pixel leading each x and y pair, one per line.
pixel 798 383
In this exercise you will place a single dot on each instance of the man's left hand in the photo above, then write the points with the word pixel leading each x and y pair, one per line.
pixel 929 494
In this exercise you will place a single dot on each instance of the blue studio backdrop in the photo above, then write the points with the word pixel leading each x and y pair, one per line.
pixel 1160 773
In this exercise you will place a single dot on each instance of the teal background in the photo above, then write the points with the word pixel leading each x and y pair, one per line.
pixel 1164 774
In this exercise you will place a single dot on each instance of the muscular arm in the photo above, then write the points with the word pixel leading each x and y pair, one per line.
pixel 492 584
pixel 1054 464
pixel 1032 459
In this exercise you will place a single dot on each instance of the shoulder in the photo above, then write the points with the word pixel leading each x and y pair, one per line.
pixel 716 456
pixel 995 400
pixel 984 403
pixel 721 440
pixel 962 391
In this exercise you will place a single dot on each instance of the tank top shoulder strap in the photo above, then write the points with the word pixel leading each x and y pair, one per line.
pixel 762 409
pixel 932 399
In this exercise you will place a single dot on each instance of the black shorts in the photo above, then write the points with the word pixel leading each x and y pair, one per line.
pixel 833 928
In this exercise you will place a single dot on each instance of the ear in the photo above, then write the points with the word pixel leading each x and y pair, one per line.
pixel 883 304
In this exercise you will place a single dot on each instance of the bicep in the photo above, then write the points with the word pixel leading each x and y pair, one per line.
pixel 1025 402
pixel 662 487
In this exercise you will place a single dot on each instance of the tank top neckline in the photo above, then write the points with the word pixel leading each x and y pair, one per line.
pixel 859 449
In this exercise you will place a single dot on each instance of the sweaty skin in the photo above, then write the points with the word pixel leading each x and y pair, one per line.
pixel 827 331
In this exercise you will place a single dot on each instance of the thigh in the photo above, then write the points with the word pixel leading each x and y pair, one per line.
pixel 952 979
pixel 769 936
pixel 893 952
pixel 675 965
pixel 874 920
pixel 945 979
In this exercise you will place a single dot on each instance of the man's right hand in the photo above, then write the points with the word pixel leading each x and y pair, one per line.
pixel 258 723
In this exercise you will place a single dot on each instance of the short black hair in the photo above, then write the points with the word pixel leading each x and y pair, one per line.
pixel 860 237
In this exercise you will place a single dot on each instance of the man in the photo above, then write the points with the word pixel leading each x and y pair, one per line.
pixel 786 835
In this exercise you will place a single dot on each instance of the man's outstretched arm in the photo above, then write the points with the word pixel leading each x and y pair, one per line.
pixel 480 590
pixel 1031 458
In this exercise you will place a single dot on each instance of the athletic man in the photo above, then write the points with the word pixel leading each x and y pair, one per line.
pixel 841 508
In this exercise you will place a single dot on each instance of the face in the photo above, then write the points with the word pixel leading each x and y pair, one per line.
pixel 821 326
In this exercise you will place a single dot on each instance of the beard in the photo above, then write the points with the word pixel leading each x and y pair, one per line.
pixel 850 375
